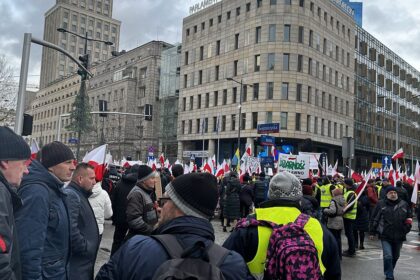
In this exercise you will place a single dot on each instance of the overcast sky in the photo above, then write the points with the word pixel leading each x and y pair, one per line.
pixel 394 23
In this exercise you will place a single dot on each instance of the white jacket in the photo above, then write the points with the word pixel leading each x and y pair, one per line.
pixel 101 205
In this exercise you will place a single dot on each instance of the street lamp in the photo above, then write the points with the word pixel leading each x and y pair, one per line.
pixel 81 119
pixel 240 108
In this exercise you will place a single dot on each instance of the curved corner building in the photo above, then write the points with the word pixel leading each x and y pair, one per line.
pixel 295 59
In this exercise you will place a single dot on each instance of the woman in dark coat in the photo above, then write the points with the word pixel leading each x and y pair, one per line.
pixel 246 196
pixel 232 210
pixel 362 220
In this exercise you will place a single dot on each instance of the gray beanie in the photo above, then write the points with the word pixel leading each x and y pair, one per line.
pixel 285 185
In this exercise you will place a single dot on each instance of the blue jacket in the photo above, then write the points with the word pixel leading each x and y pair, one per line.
pixel 140 256
pixel 43 226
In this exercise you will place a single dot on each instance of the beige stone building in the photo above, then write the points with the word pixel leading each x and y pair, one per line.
pixel 77 16
pixel 296 62
pixel 127 82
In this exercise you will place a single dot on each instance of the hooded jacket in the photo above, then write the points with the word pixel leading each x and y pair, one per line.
pixel 140 257
pixel 9 250
pixel 43 226
pixel 101 205
pixel 335 212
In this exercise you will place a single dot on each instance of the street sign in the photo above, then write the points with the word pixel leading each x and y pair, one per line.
pixel 266 140
pixel 195 154
pixel 73 140
pixel 268 128
pixel 377 165
pixel 386 161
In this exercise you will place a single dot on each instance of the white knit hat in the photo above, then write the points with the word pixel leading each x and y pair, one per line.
pixel 285 185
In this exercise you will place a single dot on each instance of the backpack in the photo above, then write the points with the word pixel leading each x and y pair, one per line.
pixel 291 253
pixel 182 266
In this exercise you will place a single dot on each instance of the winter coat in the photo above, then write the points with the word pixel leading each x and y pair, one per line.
pixel 84 233
pixel 372 194
pixel 362 217
pixel 403 194
pixel 310 206
pixel 232 208
pixel 335 212
pixel 43 226
pixel 245 242
pixel 388 220
pixel 9 250
pixel 260 189
pixel 119 198
pixel 101 205
pixel 246 196
pixel 141 212
pixel 139 257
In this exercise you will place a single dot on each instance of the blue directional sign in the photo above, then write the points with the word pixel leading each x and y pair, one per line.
pixel 73 140
pixel 386 161
pixel 266 140
pixel 268 128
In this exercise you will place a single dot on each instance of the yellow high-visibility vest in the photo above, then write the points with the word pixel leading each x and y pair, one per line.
pixel 282 215
pixel 325 195
pixel 350 214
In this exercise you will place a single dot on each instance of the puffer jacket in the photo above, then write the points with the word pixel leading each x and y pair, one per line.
pixel 43 226
pixel 310 206
pixel 389 220
pixel 101 205
pixel 134 262
pixel 9 250
pixel 335 212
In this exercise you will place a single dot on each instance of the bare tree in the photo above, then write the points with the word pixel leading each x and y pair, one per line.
pixel 8 93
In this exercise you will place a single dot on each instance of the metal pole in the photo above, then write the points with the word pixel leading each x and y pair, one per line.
pixel 239 121
pixel 397 136
pixel 20 107
pixel 218 140
pixel 412 157
pixel 59 125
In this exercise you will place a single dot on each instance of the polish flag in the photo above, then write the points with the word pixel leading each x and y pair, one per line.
pixel 220 171
pixel 416 183
pixel 167 164
pixel 213 160
pixel 334 170
pixel 34 148
pixel 359 190
pixel 208 167
pixel 356 176
pixel 392 176
pixel 162 159
pixel 186 169
pixel 96 158
pixel 398 154
pixel 226 166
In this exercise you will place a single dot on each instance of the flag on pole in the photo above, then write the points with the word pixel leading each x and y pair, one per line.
pixel 220 171
pixel 359 190
pixel 414 196
pixel 334 170
pixel 236 158
pixel 398 154
pixel 34 148
pixel 96 158
pixel 162 159
pixel 392 176
pixel 226 166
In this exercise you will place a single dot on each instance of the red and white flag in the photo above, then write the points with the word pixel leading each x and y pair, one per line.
pixel 208 167
pixel 226 166
pixel 34 148
pixel 220 171
pixel 392 176
pixel 162 159
pixel 416 183
pixel 96 158
pixel 334 170
pixel 398 154
pixel 359 190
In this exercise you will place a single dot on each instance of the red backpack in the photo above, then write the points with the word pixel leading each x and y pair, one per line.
pixel 291 253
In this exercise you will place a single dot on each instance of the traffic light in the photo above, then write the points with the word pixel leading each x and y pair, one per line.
pixel 27 125
pixel 85 62
pixel 103 107
pixel 148 108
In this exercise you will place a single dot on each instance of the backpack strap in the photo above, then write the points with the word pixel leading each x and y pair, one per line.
pixel 302 219
pixel 171 245
pixel 217 254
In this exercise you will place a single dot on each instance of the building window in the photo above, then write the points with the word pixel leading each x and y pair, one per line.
pixel 228 15
pixel 272 33
pixel 284 91
pixel 297 122
pixel 191 102
pixel 203 25
pixel 216 98
pixel 271 61
pixel 248 7
pixel 270 90
pixel 224 100
pixel 233 122
pixel 234 94
pixel 198 124
pixel 199 102
pixel 256 91
pixel 211 22
pixel 322 127
pixel 259 3
pixel 283 120
pixel 311 38
pixel 299 92
pixel 329 128
pixel 268 117
pixel 323 104
pixel 309 95
pixel 183 127
pixel 316 125
pixel 286 33
pixel 235 68
pixel 223 123
pixel 254 120
pixel 301 34
pixel 257 34
pixel 217 47
pixel 310 66
pixel 286 61
pixel 185 80
pixel 273 2
pixel 347 110
pixel 257 63
pixel 238 11
pixel 201 52
pixel 186 58
pixel 219 18
pixel 301 3
pixel 200 77
pixel 288 2
pixel 207 101
pixel 300 63
pixel 216 72
pixel 184 103
pixel 236 41
pixel 308 123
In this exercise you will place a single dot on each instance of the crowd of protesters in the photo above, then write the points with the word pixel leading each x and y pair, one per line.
pixel 53 211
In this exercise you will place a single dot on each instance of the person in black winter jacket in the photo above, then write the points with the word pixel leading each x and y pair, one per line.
pixel 309 204
pixel 246 196
pixel 232 211
pixel 13 165
pixel 361 224
pixel 186 206
pixel 119 206
pixel 84 229
pixel 391 220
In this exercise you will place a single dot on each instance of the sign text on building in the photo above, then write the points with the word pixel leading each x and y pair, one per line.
pixel 265 128
pixel 202 5
pixel 343 6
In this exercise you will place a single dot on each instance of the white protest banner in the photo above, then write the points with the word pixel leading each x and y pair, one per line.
pixel 298 165
pixel 253 164
pixel 313 159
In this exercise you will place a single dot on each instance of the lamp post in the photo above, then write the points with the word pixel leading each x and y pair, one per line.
pixel 239 108
pixel 81 119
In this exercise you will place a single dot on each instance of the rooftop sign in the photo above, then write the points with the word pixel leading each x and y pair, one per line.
pixel 344 7
pixel 202 5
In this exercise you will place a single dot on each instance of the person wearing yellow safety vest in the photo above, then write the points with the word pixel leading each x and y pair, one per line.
pixel 283 207
pixel 349 217
pixel 326 195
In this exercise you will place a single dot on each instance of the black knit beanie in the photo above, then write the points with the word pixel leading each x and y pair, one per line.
pixel 55 153
pixel 195 194
pixel 145 172
pixel 12 146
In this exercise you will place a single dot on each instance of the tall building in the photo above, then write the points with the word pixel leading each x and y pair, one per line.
pixel 387 103
pixel 295 60
pixel 168 97
pixel 78 16
pixel 357 8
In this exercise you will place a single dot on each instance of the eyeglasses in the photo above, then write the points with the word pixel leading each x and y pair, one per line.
pixel 163 200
